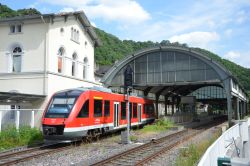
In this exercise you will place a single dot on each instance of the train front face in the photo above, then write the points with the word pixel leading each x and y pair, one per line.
pixel 59 117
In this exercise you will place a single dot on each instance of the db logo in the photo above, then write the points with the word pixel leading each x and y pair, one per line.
pixel 97 120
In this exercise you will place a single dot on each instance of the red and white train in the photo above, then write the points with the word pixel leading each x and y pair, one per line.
pixel 76 113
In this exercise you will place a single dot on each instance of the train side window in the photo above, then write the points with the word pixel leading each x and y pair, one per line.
pixel 106 108
pixel 97 108
pixel 84 113
pixel 123 112
pixel 134 110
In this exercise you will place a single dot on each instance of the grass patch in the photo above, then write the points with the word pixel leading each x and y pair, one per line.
pixel 133 138
pixel 191 155
pixel 10 137
pixel 160 125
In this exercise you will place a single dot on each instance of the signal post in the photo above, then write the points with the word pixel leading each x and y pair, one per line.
pixel 128 84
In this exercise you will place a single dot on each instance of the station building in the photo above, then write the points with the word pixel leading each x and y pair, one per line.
pixel 182 81
pixel 42 54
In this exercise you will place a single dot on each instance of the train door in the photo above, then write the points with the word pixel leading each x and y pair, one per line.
pixel 139 113
pixel 116 114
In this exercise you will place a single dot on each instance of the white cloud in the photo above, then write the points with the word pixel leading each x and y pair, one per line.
pixel 93 24
pixel 68 3
pixel 240 58
pixel 122 11
pixel 196 39
pixel 67 9
pixel 199 17
pixel 232 55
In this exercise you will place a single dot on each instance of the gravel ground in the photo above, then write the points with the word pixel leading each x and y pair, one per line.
pixel 169 158
pixel 87 154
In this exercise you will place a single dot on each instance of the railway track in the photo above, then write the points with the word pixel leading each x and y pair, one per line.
pixel 144 153
pixel 135 156
pixel 9 158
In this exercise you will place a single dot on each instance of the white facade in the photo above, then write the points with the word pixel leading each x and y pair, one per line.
pixel 40 55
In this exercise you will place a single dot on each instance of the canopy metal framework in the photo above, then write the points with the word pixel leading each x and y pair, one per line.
pixel 176 71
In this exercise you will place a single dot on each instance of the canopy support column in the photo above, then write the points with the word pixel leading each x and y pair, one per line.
pixel 157 106
pixel 227 87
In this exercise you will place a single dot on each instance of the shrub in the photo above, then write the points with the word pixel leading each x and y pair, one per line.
pixel 10 137
pixel 160 125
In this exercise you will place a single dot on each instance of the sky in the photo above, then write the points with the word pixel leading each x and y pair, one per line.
pixel 220 26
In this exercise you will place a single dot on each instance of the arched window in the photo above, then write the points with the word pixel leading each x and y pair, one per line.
pixel 60 57
pixel 17 59
pixel 77 36
pixel 74 64
pixel 72 31
pixel 85 65
pixel 62 31
pixel 74 35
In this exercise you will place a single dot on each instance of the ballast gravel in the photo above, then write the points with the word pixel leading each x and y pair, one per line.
pixel 88 154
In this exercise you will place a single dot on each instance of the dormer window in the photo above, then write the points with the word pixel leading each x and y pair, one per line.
pixel 12 29
pixel 17 28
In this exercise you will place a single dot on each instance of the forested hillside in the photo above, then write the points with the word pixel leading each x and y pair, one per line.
pixel 5 11
pixel 114 49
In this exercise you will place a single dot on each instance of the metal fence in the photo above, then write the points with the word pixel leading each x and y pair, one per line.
pixel 222 144
pixel 19 117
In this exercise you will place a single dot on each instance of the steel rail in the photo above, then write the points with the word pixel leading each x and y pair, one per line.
pixel 165 149
pixel 136 149
pixel 143 154
pixel 23 155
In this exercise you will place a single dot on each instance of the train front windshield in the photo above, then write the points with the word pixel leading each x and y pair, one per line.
pixel 60 107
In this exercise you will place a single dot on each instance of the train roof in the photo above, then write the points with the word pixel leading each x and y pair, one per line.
pixel 79 90
pixel 75 91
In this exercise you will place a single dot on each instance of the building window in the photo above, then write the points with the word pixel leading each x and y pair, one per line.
pixel 85 65
pixel 72 31
pixel 62 31
pixel 60 57
pixel 17 59
pixel 97 108
pixel 74 64
pixel 16 28
pixel 14 108
pixel 77 36
pixel 74 35
pixel 19 28
pixel 12 29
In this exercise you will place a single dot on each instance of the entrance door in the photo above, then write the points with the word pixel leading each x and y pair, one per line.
pixel 139 113
pixel 116 114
